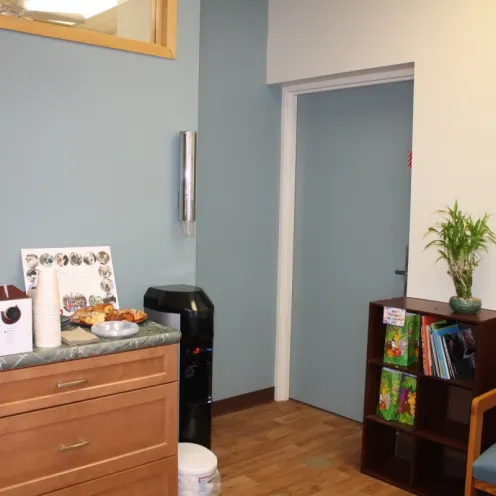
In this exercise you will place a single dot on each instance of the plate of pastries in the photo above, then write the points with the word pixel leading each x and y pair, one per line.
pixel 107 312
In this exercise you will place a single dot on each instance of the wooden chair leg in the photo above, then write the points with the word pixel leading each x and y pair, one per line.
pixel 469 487
pixel 474 444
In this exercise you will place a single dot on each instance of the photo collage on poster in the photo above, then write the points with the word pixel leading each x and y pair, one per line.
pixel 86 275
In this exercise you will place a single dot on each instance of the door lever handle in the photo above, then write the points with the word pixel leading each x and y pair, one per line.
pixel 404 272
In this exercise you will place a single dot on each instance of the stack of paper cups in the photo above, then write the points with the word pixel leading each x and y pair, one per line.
pixel 46 310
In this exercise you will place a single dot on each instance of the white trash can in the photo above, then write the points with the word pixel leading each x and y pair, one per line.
pixel 198 474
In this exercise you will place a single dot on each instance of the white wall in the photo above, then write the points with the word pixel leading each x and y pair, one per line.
pixel 453 46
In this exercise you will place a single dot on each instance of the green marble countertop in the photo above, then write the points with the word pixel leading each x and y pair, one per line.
pixel 151 334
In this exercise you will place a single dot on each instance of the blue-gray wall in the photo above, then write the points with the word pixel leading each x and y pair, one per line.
pixel 89 151
pixel 238 180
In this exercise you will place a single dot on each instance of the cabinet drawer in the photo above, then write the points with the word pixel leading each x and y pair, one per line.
pixel 51 449
pixel 49 385
pixel 154 479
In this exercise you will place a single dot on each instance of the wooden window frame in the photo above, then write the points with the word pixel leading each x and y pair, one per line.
pixel 163 24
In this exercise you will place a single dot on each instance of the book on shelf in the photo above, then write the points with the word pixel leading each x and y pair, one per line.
pixel 389 393
pixel 401 346
pixel 448 350
pixel 461 353
pixel 444 368
pixel 427 321
pixel 397 396
pixel 435 357
pixel 407 399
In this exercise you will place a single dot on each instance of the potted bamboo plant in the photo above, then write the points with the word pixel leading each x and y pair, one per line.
pixel 460 241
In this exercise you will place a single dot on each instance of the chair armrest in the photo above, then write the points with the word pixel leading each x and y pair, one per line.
pixel 480 405
pixel 484 402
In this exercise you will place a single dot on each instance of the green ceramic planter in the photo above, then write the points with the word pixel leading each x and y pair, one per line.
pixel 465 305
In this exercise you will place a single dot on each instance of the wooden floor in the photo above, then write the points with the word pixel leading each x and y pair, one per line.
pixel 269 451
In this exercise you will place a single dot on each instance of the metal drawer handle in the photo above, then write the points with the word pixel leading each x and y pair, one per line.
pixel 74 446
pixel 72 383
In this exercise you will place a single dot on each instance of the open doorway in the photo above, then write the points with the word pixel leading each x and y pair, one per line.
pixel 351 202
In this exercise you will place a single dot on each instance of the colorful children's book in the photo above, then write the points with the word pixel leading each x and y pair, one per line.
pixel 402 343
pixel 435 370
pixel 427 321
pixel 389 391
pixel 407 399
pixel 460 349
pixel 444 369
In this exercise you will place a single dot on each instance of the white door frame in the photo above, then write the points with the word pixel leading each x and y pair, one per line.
pixel 289 105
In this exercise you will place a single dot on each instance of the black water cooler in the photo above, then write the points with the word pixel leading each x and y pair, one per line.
pixel 190 310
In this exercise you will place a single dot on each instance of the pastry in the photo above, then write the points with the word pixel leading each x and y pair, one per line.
pixel 107 312
pixel 92 318
pixel 139 315
pixel 127 316
pixel 77 314
pixel 108 309
pixel 105 308
pixel 115 315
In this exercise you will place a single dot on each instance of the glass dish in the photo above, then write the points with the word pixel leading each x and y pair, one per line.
pixel 115 329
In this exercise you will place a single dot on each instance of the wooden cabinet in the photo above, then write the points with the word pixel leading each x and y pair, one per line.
pixel 113 431
pixel 24 390
pixel 153 479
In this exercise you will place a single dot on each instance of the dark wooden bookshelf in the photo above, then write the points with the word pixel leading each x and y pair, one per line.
pixel 429 457
pixel 416 370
